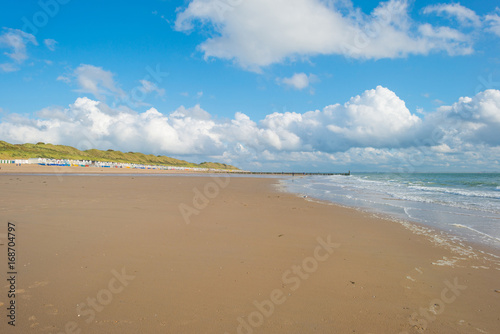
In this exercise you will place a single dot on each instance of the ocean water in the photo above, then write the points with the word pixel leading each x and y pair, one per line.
pixel 464 205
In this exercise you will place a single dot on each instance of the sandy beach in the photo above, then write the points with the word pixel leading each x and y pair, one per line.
pixel 57 170
pixel 201 254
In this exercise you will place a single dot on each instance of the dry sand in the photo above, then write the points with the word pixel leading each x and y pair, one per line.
pixel 114 254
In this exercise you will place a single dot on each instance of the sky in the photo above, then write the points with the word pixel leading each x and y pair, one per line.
pixel 281 85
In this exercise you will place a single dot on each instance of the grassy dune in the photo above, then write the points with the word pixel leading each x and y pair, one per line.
pixel 42 150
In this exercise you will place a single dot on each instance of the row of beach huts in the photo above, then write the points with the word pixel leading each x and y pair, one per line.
pixel 101 164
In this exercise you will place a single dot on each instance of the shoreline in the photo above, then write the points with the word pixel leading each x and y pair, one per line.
pixel 474 237
pixel 429 231
pixel 411 225
pixel 235 259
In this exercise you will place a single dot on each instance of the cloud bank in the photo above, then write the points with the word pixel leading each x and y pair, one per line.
pixel 374 127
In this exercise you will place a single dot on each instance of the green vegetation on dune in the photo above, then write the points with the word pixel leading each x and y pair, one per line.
pixel 42 150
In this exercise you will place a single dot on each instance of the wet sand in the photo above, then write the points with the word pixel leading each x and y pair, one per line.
pixel 193 254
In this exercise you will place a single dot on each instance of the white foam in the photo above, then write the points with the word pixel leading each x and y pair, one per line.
pixel 476 231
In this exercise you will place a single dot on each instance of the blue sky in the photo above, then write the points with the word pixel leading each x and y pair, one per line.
pixel 265 85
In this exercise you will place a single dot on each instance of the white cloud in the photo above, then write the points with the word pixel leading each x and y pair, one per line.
pixel 377 118
pixel 493 23
pixel 8 67
pixel 374 128
pixel 64 78
pixel 298 81
pixel 50 44
pixel 96 81
pixel 258 33
pixel 88 123
pixel 472 120
pixel 444 34
pixel 101 83
pixel 149 87
pixel 16 41
pixel 443 148
pixel 193 113
pixel 463 15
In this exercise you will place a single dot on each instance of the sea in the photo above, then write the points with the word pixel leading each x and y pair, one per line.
pixel 465 206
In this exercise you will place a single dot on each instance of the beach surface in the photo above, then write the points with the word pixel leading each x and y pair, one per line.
pixel 64 170
pixel 202 254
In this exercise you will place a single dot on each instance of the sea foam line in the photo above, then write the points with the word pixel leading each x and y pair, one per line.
pixel 478 232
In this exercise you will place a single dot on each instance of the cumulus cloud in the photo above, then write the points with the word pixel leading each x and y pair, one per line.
pixel 258 33
pixel 16 41
pixel 374 127
pixel 88 123
pixel 463 15
pixel 298 81
pixel 473 120
pixel 377 118
pixel 50 44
